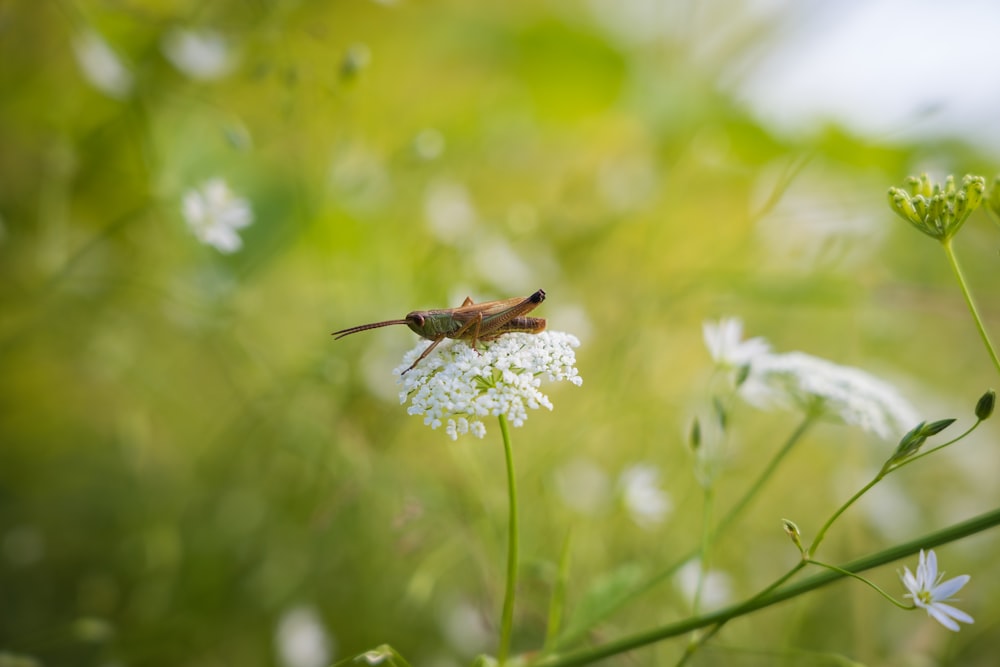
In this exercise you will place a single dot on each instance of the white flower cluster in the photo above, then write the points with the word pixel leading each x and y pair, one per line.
pixel 799 380
pixel 457 386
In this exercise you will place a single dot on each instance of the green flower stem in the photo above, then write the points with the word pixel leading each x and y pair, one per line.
pixel 558 602
pixel 507 620
pixel 734 513
pixel 638 640
pixel 953 260
pixel 814 547
pixel 843 508
pixel 763 478
pixel 705 548
pixel 862 580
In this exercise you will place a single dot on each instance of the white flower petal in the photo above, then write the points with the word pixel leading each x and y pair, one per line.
pixel 945 590
pixel 952 612
pixel 942 618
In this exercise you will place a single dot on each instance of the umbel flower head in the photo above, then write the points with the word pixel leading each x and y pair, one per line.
pixel 937 211
pixel 457 387
pixel 802 381
pixel 928 591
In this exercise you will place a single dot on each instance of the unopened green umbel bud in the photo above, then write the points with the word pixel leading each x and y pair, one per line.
pixel 937 211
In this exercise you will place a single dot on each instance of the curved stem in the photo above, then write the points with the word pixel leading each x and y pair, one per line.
pixel 507 619
pixel 862 580
pixel 953 259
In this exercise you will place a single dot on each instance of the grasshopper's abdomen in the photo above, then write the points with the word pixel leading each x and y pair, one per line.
pixel 530 325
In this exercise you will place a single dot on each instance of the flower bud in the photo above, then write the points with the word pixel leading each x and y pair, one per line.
pixel 985 405
pixel 793 532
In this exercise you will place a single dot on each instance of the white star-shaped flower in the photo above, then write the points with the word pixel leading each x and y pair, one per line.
pixel 215 214
pixel 929 592
pixel 725 343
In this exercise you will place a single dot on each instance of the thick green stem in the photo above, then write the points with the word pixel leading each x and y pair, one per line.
pixel 645 638
pixel 507 620
pixel 946 244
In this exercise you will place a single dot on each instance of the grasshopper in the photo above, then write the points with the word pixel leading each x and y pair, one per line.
pixel 474 322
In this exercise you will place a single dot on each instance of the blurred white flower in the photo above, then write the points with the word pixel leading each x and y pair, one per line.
pixel 645 501
pixel 457 386
pixel 300 639
pixel 429 144
pixel 583 486
pixel 101 65
pixel 725 343
pixel 360 178
pixel 929 592
pixel 200 54
pixel 796 380
pixel 628 182
pixel 214 214
pixel 466 629
pixel 496 262
pixel 716 589
pixel 449 211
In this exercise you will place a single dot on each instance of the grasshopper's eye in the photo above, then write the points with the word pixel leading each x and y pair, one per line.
pixel 415 319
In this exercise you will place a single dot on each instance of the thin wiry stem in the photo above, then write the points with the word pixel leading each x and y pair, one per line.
pixel 507 619
pixel 953 260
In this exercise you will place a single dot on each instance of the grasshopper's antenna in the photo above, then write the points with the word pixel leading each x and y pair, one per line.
pixel 365 327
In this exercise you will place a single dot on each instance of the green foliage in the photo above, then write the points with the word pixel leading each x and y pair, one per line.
pixel 185 453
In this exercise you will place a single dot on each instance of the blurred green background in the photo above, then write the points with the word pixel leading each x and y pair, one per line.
pixel 192 472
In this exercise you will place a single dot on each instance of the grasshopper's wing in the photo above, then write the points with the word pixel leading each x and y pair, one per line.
pixel 469 309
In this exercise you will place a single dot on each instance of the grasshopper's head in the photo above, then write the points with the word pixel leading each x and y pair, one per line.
pixel 417 321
